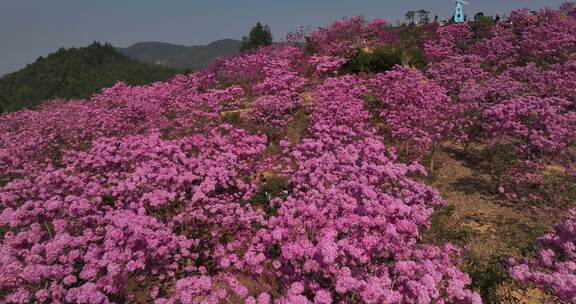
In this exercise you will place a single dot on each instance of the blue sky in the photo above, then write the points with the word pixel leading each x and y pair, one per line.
pixel 33 28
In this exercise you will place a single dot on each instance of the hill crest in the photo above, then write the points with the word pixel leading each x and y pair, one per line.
pixel 181 56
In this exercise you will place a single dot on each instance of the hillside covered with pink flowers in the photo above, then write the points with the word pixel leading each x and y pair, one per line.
pixel 289 175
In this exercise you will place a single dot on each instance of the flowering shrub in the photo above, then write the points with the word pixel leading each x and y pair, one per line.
pixel 101 212
pixel 344 37
pixel 32 140
pixel 450 41
pixel 516 87
pixel 554 268
pixel 454 73
pixel 539 130
pixel 273 111
pixel 159 196
pixel 270 70
pixel 417 112
pixel 143 194
pixel 568 8
pixel 282 73
pixel 547 36
pixel 353 207
pixel 323 65
pixel 538 127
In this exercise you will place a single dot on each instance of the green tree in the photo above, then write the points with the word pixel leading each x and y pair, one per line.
pixel 74 73
pixel 481 26
pixel 423 16
pixel 410 16
pixel 381 59
pixel 259 36
pixel 478 15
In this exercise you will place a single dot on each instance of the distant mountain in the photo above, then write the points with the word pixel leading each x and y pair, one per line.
pixel 75 73
pixel 180 56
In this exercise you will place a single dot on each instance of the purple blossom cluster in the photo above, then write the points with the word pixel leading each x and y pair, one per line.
pixel 352 208
pixel 32 140
pixel 326 65
pixel 517 85
pixel 554 268
pixel 136 209
pixel 270 70
pixel 418 113
pixel 535 125
pixel 516 88
pixel 145 189
pixel 145 194
pixel 344 37
pixel 273 111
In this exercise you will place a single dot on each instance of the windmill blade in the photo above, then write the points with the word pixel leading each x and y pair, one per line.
pixel 465 2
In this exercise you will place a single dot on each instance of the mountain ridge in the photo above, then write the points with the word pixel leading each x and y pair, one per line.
pixel 181 56
pixel 75 73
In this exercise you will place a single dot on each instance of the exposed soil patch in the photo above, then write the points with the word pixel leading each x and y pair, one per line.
pixel 489 228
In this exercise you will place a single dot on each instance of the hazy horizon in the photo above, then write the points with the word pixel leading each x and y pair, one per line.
pixel 34 28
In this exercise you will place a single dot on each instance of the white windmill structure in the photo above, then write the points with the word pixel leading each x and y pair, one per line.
pixel 459 11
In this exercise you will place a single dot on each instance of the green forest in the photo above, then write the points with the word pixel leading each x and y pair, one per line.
pixel 75 73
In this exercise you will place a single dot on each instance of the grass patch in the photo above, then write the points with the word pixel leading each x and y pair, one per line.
pixel 273 187
pixel 488 278
pixel 443 228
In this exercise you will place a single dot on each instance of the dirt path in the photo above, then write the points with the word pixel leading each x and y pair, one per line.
pixel 490 229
